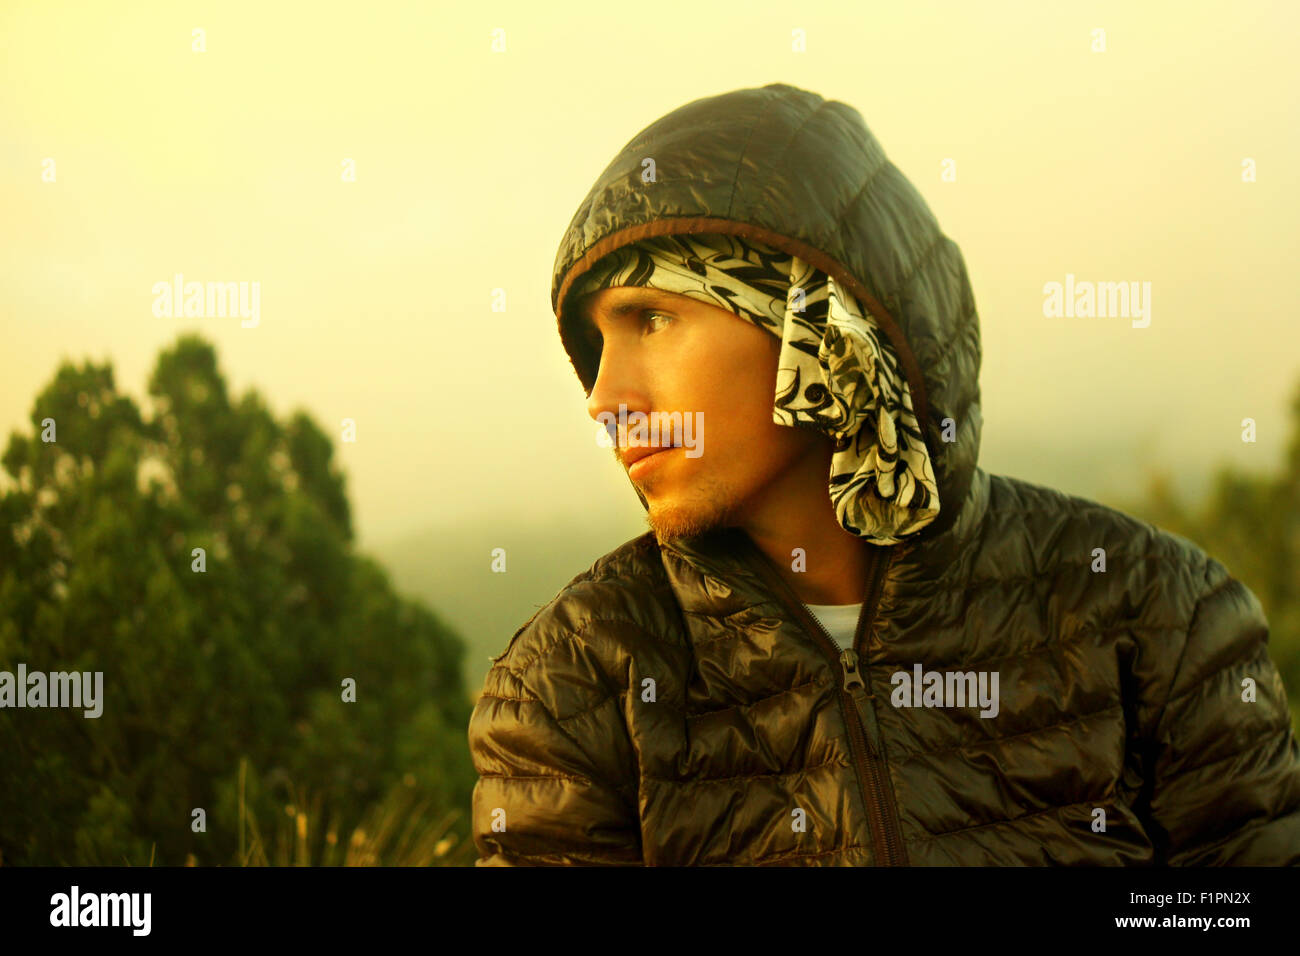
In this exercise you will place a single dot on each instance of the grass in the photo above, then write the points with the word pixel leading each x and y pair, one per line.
pixel 397 831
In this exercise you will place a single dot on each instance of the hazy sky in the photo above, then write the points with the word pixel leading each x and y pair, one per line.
pixel 376 295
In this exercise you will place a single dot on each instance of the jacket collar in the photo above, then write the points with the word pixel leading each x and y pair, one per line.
pixel 726 561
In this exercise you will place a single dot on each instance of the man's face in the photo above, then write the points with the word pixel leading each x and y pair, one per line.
pixel 663 352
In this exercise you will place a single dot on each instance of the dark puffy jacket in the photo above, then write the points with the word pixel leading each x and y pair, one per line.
pixel 676 704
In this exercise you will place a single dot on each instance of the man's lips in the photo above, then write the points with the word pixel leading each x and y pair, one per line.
pixel 632 455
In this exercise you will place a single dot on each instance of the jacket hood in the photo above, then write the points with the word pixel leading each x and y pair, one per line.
pixel 801 173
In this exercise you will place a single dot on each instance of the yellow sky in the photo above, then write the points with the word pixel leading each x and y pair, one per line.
pixel 376 294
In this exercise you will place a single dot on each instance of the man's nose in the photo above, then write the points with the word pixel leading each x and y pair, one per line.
pixel 618 382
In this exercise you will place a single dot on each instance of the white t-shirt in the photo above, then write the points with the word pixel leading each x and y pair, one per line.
pixel 841 620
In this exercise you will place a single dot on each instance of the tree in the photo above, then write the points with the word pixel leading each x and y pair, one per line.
pixel 1251 524
pixel 243 658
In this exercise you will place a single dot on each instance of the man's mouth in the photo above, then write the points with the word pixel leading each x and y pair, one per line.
pixel 634 454
pixel 639 461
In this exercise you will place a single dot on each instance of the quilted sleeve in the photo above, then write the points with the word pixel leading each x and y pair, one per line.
pixel 1226 768
pixel 550 747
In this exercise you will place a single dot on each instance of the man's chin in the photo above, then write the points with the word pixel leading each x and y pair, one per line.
pixel 671 520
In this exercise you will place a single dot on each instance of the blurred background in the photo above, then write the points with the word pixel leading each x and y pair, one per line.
pixel 396 178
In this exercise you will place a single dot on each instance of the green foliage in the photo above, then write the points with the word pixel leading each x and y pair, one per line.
pixel 202 670
pixel 1251 524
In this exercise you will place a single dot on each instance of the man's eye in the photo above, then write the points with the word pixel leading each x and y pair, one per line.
pixel 650 316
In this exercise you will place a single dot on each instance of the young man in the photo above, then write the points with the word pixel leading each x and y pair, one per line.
pixel 843 642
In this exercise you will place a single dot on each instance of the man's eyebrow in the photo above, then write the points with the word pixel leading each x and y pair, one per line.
pixel 633 302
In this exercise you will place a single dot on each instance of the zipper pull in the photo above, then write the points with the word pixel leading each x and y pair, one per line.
pixel 862 697
pixel 849 663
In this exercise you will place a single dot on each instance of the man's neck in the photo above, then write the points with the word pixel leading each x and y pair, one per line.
pixel 796 512
pixel 835 569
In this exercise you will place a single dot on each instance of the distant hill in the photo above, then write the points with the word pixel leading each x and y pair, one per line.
pixel 449 568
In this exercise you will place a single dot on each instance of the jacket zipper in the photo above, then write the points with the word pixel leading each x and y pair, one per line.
pixel 855 696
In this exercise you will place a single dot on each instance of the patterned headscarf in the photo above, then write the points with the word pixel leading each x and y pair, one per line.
pixel 836 372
